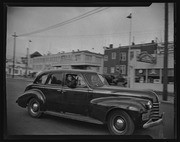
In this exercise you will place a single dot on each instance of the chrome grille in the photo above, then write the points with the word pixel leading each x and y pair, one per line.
pixel 154 114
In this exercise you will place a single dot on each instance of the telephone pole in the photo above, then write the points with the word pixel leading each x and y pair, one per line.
pixel 14 52
pixel 165 73
pixel 129 51
pixel 27 58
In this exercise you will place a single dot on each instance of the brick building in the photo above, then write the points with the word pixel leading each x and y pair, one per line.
pixel 116 59
pixel 146 65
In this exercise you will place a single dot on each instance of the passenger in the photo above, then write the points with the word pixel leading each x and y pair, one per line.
pixel 71 81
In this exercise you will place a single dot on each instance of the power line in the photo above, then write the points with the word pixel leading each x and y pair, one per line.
pixel 103 34
pixel 67 21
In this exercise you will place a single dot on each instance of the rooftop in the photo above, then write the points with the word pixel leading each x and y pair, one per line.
pixel 135 45
pixel 68 70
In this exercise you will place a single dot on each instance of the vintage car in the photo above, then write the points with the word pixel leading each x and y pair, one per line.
pixel 86 96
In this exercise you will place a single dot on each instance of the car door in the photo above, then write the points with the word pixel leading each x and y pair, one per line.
pixel 54 92
pixel 50 84
pixel 75 99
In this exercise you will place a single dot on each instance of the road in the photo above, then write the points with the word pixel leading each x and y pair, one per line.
pixel 20 123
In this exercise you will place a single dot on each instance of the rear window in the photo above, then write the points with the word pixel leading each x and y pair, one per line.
pixel 41 79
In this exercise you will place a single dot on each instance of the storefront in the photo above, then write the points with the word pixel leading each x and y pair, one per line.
pixel 146 75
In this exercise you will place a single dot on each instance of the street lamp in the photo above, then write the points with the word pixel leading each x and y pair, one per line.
pixel 128 67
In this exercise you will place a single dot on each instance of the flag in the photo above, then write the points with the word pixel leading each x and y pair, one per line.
pixel 130 16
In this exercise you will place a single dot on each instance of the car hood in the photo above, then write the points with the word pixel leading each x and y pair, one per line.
pixel 127 92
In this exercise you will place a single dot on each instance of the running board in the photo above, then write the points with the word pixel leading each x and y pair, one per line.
pixel 74 117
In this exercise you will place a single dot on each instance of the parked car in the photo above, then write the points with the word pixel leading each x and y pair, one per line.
pixel 109 78
pixel 90 97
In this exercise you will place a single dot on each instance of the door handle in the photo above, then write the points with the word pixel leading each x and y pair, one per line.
pixel 62 91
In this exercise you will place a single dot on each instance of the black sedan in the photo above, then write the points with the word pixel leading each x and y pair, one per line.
pixel 86 95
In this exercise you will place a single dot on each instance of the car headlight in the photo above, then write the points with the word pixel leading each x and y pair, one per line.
pixel 149 105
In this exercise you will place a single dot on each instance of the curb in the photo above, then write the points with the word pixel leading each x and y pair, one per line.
pixel 167 102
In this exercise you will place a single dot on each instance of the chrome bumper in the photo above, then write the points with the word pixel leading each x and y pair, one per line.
pixel 151 123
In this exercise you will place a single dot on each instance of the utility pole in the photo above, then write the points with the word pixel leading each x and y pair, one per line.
pixel 129 51
pixel 27 62
pixel 165 73
pixel 27 58
pixel 14 52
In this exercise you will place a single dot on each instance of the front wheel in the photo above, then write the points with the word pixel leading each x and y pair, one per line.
pixel 34 108
pixel 120 123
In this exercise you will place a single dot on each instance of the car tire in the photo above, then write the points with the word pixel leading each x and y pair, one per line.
pixel 120 123
pixel 34 108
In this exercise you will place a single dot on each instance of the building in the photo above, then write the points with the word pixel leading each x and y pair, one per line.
pixel 146 65
pixel 116 59
pixel 19 68
pixel 70 60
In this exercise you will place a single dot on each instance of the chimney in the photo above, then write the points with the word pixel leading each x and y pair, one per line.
pixel 133 43
pixel 110 45
pixel 152 41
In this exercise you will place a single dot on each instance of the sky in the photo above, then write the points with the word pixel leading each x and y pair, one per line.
pixel 109 26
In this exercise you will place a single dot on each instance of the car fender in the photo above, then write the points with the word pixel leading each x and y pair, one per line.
pixel 27 95
pixel 102 106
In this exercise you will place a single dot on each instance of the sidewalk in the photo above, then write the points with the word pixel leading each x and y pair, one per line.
pixel 170 98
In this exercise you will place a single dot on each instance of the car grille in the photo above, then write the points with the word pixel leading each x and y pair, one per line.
pixel 154 114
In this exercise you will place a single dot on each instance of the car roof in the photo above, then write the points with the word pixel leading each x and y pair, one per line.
pixel 67 70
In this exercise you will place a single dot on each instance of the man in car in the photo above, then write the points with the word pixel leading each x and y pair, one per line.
pixel 71 81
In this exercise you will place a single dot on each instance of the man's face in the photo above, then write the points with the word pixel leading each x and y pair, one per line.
pixel 69 77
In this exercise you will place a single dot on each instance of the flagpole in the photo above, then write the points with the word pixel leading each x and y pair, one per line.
pixel 129 51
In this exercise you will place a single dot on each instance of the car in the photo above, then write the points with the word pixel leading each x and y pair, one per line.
pixel 86 96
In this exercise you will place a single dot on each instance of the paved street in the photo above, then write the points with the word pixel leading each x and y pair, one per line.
pixel 20 123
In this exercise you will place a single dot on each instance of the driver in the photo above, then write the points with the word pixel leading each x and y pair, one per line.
pixel 71 81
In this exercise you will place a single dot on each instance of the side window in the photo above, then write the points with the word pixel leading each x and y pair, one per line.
pixel 80 82
pixel 42 79
pixel 55 79
pixel 75 81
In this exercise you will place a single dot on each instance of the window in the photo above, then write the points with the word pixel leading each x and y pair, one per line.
pixel 77 57
pixel 88 58
pixel 41 79
pixel 75 81
pixel 105 70
pixel 55 79
pixel 98 60
pixel 112 69
pixel 131 55
pixel 15 71
pixel 80 82
pixel 140 75
pixel 113 55
pixel 106 58
pixel 170 76
pixel 122 69
pixel 9 70
pixel 94 80
pixel 117 68
pixel 123 56
pixel 153 76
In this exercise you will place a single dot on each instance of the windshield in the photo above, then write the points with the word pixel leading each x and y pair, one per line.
pixel 96 80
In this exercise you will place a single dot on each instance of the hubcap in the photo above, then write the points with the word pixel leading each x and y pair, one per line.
pixel 119 124
pixel 35 107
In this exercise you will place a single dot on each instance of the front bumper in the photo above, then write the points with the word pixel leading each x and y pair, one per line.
pixel 151 123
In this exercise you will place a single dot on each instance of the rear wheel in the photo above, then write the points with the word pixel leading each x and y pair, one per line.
pixel 34 108
pixel 120 123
